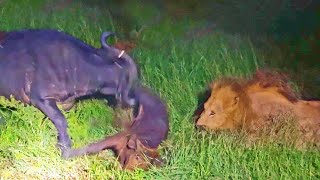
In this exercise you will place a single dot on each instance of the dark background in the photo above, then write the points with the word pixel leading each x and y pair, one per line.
pixel 291 26
pixel 286 31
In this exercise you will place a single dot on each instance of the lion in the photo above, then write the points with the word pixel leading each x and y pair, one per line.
pixel 251 104
pixel 226 107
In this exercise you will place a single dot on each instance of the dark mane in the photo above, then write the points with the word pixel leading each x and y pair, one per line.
pixel 267 79
pixel 235 84
pixel 263 78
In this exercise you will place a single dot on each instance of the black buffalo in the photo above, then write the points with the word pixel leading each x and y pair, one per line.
pixel 46 67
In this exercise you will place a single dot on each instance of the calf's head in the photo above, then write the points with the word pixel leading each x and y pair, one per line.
pixel 136 155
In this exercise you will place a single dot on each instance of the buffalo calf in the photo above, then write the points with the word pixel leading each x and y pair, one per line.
pixel 137 146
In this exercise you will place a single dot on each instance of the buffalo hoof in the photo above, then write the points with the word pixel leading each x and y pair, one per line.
pixel 63 148
pixel 66 153
pixel 70 153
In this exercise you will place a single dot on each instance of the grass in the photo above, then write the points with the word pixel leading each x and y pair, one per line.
pixel 177 68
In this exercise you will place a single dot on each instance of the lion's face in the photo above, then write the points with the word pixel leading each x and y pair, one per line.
pixel 220 109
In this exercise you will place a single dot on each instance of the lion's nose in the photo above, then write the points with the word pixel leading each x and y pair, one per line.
pixel 200 125
pixel 200 122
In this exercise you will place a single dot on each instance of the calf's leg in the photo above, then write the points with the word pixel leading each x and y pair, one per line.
pixel 111 142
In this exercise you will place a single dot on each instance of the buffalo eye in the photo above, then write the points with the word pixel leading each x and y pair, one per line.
pixel 212 113
pixel 137 157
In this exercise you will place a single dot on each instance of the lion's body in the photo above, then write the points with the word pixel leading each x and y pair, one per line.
pixel 255 103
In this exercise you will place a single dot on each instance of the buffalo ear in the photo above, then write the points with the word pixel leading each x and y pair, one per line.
pixel 132 143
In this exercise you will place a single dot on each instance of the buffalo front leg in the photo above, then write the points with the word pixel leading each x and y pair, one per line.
pixel 50 109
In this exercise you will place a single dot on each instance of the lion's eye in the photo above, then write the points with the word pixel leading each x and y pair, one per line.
pixel 212 113
pixel 137 157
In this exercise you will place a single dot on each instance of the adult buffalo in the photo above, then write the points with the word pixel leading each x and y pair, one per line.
pixel 46 67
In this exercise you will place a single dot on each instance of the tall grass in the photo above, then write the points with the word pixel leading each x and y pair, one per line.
pixel 177 68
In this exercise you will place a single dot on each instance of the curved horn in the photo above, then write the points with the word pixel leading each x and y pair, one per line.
pixel 104 37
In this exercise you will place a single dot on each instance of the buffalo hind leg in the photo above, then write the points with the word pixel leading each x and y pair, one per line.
pixel 50 109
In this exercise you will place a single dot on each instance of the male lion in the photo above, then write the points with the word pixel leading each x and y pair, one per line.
pixel 254 103
pixel 226 108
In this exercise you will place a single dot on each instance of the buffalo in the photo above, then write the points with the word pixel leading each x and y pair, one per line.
pixel 137 145
pixel 45 67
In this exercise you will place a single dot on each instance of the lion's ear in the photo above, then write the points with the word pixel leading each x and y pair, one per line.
pixel 211 85
pixel 236 100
